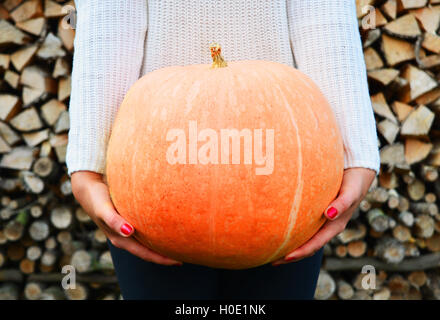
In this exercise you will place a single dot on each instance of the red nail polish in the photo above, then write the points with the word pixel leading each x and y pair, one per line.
pixel 332 212
pixel 126 229
pixel 290 258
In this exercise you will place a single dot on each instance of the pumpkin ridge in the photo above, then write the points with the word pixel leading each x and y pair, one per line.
pixel 298 194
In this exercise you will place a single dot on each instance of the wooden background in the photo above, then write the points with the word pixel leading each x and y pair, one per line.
pixel 396 228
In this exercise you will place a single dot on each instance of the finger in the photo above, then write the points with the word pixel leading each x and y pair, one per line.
pixel 134 247
pixel 282 261
pixel 347 198
pixel 324 235
pixel 114 221
pixel 105 211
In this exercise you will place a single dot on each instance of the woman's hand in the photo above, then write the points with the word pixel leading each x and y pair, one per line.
pixel 92 193
pixel 355 185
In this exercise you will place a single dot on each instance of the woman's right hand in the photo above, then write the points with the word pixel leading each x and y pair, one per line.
pixel 92 193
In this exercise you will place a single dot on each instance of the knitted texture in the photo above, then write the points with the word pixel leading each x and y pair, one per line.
pixel 117 41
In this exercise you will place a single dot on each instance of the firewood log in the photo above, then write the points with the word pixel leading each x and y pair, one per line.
pixel 48 258
pixel 50 243
pixel 2 259
pixel 378 220
pixel 32 182
pixel 433 286
pixel 39 230
pixel 402 233
pixel 80 292
pixel 382 294
pixel 99 239
pixel 61 68
pixel 407 218
pixel 13 230
pixel 9 291
pixel 416 190
pixel 418 122
pixel 325 287
pixel 372 36
pixel 82 216
pixel 27 266
pixel 52 293
pixel 8 134
pixel 399 287
pixel 396 50
pixel 357 249
pixel 66 35
pixel 10 106
pixel 23 57
pixel 61 217
pixel 52 9
pixel 372 59
pixel 416 150
pixel 35 26
pixel 430 197
pixel 51 48
pixel 33 139
pixel 64 88
pixel 424 226
pixel 424 208
pixel 428 18
pixel 433 243
pixel 33 290
pixel 9 34
pixel 82 261
pixel 44 167
pixel 4 61
pixel 390 250
pixel 105 261
pixel 345 290
pixel 12 78
pixel 29 9
pixel 35 77
pixel 381 107
pixel 417 278
pixel 33 253
pixel 352 234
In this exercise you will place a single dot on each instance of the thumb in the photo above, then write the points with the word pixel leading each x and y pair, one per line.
pixel 342 203
pixel 106 212
pixel 115 222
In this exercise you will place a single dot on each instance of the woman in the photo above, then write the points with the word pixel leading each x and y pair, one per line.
pixel 118 41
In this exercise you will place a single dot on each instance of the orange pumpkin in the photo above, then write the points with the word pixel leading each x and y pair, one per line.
pixel 228 166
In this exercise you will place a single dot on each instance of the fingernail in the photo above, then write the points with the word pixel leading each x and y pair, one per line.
pixel 332 212
pixel 289 258
pixel 126 229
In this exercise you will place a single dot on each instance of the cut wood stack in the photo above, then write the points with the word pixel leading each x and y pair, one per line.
pixel 396 228
pixel 42 228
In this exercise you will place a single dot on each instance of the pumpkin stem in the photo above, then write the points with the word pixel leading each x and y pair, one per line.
pixel 217 59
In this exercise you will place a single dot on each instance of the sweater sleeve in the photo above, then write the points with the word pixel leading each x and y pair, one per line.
pixel 109 43
pixel 327 47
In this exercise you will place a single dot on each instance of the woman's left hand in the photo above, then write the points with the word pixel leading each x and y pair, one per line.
pixel 354 187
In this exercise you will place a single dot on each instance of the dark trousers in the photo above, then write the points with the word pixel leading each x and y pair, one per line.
pixel 142 280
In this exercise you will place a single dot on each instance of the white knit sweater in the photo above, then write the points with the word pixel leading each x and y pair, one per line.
pixel 117 41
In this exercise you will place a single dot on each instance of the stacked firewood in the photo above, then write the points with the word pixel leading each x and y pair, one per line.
pixel 42 228
pixel 396 228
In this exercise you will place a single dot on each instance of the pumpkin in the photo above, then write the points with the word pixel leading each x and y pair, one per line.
pixel 229 165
